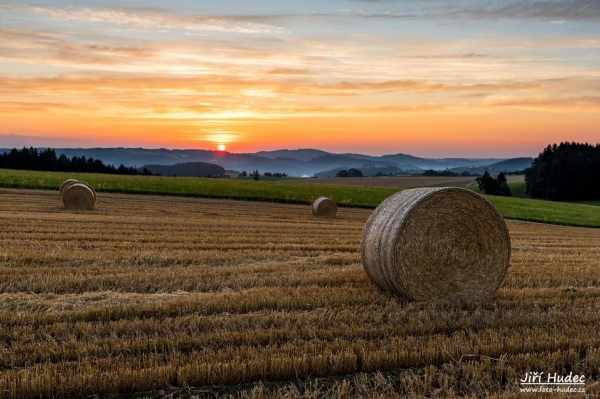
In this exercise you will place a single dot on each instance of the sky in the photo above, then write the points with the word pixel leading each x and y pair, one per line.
pixel 428 78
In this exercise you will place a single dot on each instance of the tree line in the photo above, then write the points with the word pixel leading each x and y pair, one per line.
pixel 352 172
pixel 445 173
pixel 565 172
pixel 47 160
pixel 494 185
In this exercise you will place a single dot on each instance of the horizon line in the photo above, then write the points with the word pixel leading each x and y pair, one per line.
pixel 267 151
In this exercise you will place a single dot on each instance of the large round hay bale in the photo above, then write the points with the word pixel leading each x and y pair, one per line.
pixel 66 184
pixel 79 196
pixel 324 206
pixel 436 244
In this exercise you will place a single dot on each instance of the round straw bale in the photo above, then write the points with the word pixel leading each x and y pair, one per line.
pixel 437 245
pixel 91 188
pixel 324 206
pixel 66 184
pixel 78 196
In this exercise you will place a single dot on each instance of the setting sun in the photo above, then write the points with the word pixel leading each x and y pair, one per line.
pixel 221 147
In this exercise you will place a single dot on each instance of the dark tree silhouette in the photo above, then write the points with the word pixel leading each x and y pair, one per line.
pixel 352 172
pixel 494 185
pixel 46 160
pixel 565 172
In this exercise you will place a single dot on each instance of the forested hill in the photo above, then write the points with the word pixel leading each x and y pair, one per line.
pixel 189 169
pixel 565 172
pixel 298 162
pixel 47 160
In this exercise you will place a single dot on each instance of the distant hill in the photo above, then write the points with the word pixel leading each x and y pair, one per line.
pixel 439 163
pixel 300 162
pixel 187 169
pixel 140 156
pixel 512 165
pixel 366 169
pixel 507 166
pixel 306 154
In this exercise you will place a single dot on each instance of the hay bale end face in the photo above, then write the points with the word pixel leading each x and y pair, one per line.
pixel 436 245
pixel 325 207
pixel 66 184
pixel 91 188
pixel 79 196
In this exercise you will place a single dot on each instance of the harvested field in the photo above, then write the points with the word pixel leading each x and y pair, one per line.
pixel 146 292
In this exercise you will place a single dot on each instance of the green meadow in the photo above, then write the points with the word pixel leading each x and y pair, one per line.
pixel 593 203
pixel 243 189
pixel 573 214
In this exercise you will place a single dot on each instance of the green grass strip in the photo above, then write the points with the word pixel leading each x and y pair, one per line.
pixel 571 214
pixel 296 193
pixel 542 211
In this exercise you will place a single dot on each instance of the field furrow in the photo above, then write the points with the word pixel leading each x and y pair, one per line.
pixel 146 292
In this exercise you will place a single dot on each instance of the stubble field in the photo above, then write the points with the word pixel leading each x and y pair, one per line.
pixel 147 293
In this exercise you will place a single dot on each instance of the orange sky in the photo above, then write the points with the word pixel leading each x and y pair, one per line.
pixel 357 76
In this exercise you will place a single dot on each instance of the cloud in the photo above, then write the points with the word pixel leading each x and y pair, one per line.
pixel 357 88
pixel 154 18
pixel 18 141
pixel 225 85
pixel 574 10
pixel 452 56
pixel 288 71
pixel 59 49
pixel 171 75
pixel 10 107
pixel 214 91
pixel 220 136
pixel 545 103
pixel 26 34
pixel 545 10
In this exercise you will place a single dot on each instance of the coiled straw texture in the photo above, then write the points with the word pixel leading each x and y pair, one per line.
pixel 436 245
pixel 325 207
pixel 79 196
pixel 66 184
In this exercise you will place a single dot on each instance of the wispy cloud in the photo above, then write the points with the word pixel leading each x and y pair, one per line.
pixel 288 71
pixel 210 97
pixel 574 10
pixel 220 136
pixel 153 18
pixel 545 10
pixel 559 104
pixel 181 86
pixel 19 140
pixel 451 56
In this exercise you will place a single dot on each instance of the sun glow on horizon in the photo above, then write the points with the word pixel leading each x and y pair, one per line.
pixel 221 147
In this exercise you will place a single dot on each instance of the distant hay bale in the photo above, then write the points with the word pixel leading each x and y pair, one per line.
pixel 91 188
pixel 437 245
pixel 324 206
pixel 79 196
pixel 66 184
